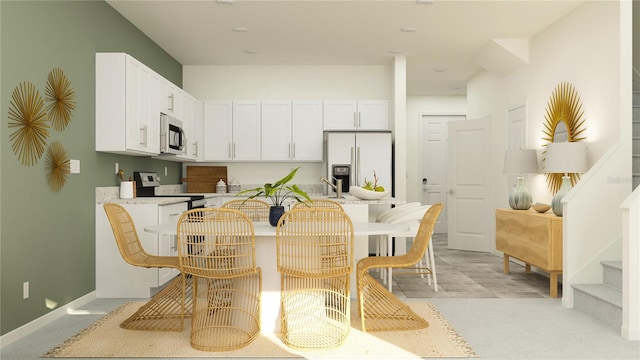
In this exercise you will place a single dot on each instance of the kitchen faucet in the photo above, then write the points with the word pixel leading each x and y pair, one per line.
pixel 337 187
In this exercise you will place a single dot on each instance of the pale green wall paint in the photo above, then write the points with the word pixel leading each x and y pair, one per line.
pixel 47 237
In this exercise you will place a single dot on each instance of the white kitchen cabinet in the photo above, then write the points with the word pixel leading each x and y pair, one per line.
pixel 231 130
pixel 171 100
pixel 276 130
pixel 191 124
pixel 307 131
pixel 292 130
pixel 356 115
pixel 127 116
pixel 117 279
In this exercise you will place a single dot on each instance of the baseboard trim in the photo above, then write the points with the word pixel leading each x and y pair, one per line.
pixel 45 319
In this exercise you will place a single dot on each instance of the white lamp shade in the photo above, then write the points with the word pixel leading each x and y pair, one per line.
pixel 520 161
pixel 566 157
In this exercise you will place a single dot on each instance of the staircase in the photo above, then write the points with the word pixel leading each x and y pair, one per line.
pixel 602 301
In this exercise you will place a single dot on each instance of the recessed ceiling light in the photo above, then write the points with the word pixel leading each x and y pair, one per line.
pixel 424 2
pixel 251 52
pixel 239 29
pixel 225 2
pixel 395 52
pixel 408 29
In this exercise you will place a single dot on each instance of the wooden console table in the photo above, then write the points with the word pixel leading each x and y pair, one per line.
pixel 533 238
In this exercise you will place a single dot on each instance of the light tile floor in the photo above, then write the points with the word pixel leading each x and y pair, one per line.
pixel 470 274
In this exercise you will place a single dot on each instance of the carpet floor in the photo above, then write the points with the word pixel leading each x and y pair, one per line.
pixel 105 339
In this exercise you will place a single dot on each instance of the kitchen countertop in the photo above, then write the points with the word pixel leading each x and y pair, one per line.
pixel 110 194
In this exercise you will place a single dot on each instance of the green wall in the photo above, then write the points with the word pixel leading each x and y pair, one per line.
pixel 47 237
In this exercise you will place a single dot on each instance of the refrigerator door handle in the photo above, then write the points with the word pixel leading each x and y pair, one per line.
pixel 353 169
pixel 358 165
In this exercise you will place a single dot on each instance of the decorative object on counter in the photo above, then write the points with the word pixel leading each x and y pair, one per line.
pixel 370 191
pixel 221 187
pixel 541 208
pixel 57 165
pixel 277 193
pixel 364 194
pixel 27 115
pixel 520 162
pixel 563 123
pixel 61 97
pixel 127 188
pixel 565 158
pixel 234 186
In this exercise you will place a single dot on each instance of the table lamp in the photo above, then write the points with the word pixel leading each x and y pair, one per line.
pixel 520 162
pixel 565 158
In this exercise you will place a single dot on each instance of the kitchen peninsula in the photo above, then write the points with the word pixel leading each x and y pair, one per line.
pixel 117 279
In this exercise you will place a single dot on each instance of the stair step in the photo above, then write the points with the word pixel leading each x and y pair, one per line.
pixel 612 274
pixel 600 301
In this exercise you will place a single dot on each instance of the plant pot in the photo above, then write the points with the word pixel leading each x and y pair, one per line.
pixel 275 213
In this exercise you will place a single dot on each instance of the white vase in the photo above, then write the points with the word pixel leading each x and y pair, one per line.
pixel 556 203
pixel 520 198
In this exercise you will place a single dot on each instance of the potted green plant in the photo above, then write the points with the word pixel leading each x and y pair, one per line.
pixel 277 193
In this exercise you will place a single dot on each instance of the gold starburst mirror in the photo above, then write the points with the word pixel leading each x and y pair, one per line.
pixel 57 166
pixel 563 122
pixel 60 97
pixel 30 121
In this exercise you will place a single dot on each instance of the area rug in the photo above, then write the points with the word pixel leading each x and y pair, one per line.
pixel 105 339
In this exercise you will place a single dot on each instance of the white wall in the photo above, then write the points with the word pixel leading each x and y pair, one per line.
pixel 581 49
pixel 285 82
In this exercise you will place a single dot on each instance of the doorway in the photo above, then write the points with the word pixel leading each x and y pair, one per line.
pixel 433 162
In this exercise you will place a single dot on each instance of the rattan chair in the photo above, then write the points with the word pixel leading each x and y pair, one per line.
pixel 318 203
pixel 165 311
pixel 256 210
pixel 315 260
pixel 426 266
pixel 217 248
pixel 379 309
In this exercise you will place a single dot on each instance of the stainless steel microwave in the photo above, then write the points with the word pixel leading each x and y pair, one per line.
pixel 172 139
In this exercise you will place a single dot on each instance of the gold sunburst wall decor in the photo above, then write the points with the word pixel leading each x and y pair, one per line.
pixel 563 122
pixel 57 166
pixel 60 98
pixel 27 116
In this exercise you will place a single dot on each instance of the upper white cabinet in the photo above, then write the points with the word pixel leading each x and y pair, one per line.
pixel 127 116
pixel 356 115
pixel 307 131
pixel 276 130
pixel 231 130
pixel 191 125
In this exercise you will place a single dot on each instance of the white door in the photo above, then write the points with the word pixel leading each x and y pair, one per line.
pixel 517 118
pixel 433 160
pixel 469 180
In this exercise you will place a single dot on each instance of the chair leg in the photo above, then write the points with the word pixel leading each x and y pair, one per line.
pixel 433 266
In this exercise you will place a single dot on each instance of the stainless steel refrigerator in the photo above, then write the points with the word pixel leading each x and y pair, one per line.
pixel 364 152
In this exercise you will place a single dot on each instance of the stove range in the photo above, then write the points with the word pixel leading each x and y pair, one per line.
pixel 146 183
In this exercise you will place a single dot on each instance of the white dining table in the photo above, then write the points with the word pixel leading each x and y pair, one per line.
pixel 265 245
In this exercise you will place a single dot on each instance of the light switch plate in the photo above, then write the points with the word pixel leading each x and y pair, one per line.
pixel 74 166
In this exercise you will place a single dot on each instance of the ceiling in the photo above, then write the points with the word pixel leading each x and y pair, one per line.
pixel 442 40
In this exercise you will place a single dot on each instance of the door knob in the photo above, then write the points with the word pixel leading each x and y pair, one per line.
pixel 451 191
